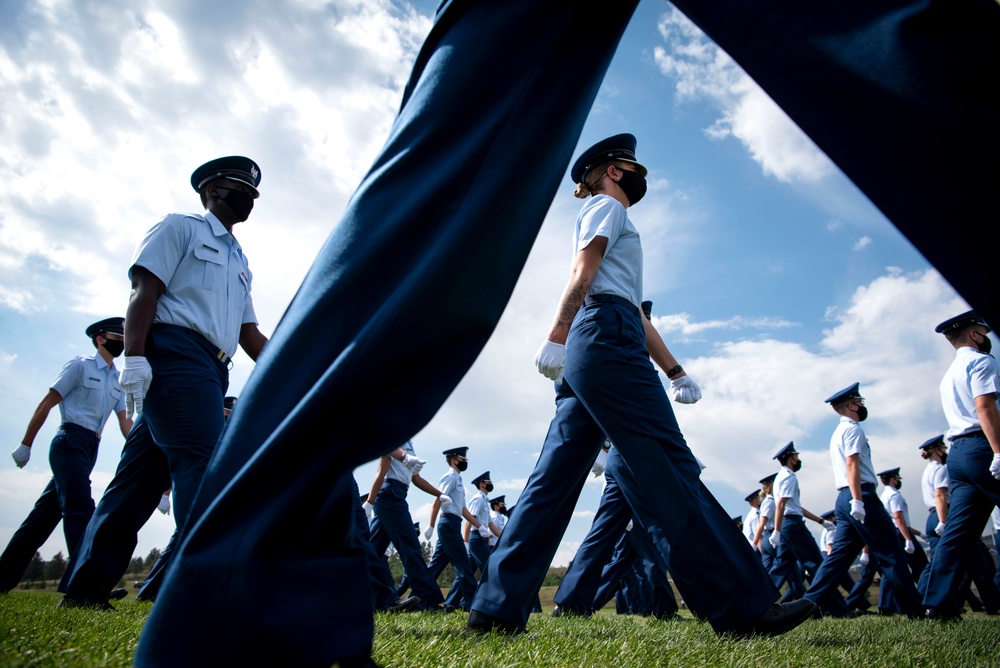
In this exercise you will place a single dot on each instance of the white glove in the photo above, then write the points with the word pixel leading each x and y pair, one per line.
pixel 164 505
pixel 865 558
pixel 428 532
pixel 939 529
pixel 445 500
pixel 484 531
pixel 858 510
pixel 414 464
pixel 550 360
pixel 368 509
pixel 910 547
pixel 600 463
pixel 829 526
pixel 995 466
pixel 774 539
pixel 684 390
pixel 628 527
pixel 21 455
pixel 134 379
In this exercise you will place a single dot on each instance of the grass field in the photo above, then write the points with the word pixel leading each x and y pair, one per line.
pixel 34 633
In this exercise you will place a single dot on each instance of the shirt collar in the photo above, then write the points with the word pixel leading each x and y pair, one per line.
pixel 101 364
pixel 218 229
pixel 844 418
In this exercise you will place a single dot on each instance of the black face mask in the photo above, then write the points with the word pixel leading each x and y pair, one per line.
pixel 798 465
pixel 114 347
pixel 944 458
pixel 461 466
pixel 862 413
pixel 489 488
pixel 986 346
pixel 239 202
pixel 633 185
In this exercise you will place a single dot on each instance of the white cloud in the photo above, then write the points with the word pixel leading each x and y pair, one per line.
pixel 703 71
pixel 682 323
pixel 862 243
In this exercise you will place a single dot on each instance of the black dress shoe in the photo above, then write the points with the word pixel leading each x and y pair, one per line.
pixel 940 616
pixel 405 605
pixel 117 594
pixel 885 612
pixel 561 611
pixel 70 602
pixel 777 619
pixel 480 624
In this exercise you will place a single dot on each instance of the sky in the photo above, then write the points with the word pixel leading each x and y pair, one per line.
pixel 774 281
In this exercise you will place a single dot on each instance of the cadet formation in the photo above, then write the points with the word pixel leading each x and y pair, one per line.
pixel 191 306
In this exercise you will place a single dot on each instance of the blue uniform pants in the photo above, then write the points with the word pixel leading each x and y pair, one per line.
pixel 579 585
pixel 450 548
pixel 393 524
pixel 66 497
pixel 857 599
pixel 633 552
pixel 479 550
pixel 379 575
pixel 974 493
pixel 112 534
pixel 611 388
pixel 797 557
pixel 406 236
pixel 878 533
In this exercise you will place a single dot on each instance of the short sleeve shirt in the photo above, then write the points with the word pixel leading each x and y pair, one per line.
pixel 935 477
pixel 206 275
pixel 786 486
pixel 620 272
pixel 397 470
pixel 767 508
pixel 499 520
pixel 894 502
pixel 750 523
pixel 479 505
pixel 90 392
pixel 849 439
pixel 972 374
pixel 451 485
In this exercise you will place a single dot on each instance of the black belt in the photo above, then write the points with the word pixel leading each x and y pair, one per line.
pixel 971 434
pixel 210 347
pixel 590 300
pixel 72 426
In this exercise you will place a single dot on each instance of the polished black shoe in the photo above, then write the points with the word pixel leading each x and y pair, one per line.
pixel 560 611
pixel 938 615
pixel 405 605
pixel 778 619
pixel 117 594
pixel 885 612
pixel 70 602
pixel 480 624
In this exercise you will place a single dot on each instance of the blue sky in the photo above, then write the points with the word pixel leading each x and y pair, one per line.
pixel 774 281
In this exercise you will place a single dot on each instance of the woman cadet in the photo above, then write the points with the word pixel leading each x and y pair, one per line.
pixel 598 352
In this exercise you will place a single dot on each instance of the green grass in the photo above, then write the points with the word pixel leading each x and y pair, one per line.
pixel 34 633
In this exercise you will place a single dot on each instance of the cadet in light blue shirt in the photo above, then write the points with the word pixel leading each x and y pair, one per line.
pixel 87 393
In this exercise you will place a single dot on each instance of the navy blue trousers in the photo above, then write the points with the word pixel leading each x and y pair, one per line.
pixel 844 72
pixel 379 576
pixel 652 594
pixel 797 557
pixel 66 497
pixel 450 549
pixel 974 493
pixel 112 534
pixel 579 585
pixel 878 533
pixel 393 524
pixel 611 389
pixel 857 598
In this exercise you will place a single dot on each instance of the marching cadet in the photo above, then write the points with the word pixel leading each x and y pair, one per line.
pixel 895 504
pixel 790 538
pixel 969 392
pixel 762 536
pixel 87 392
pixel 753 515
pixel 861 517
pixel 498 514
pixel 934 487
pixel 479 505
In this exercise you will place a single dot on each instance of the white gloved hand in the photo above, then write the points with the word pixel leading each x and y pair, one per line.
pixel 858 510
pixel 829 526
pixel 550 360
pixel 684 390
pixel 134 379
pixel 484 531
pixel 164 505
pixel 865 558
pixel 910 547
pixel 600 463
pixel 774 539
pixel 413 463
pixel 428 532
pixel 445 500
pixel 629 526
pixel 368 508
pixel 21 455
pixel 939 529
pixel 995 466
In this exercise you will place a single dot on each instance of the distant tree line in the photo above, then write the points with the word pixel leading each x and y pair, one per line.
pixel 40 571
